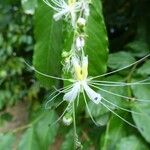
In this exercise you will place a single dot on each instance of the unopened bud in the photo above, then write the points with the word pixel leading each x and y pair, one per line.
pixel 67 119
pixel 80 43
pixel 81 22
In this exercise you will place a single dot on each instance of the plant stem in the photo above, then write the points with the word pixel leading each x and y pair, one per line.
pixel 106 135
pixel 74 126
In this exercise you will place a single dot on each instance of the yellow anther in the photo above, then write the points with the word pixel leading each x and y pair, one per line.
pixel 70 2
pixel 81 71
pixel 78 72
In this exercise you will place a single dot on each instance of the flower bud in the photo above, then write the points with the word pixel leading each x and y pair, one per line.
pixel 80 43
pixel 81 22
pixel 67 119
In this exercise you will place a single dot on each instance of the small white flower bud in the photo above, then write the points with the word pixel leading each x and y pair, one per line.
pixel 81 22
pixel 67 119
pixel 80 43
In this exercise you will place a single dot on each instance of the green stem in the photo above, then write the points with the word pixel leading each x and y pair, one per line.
pixel 74 126
pixel 106 135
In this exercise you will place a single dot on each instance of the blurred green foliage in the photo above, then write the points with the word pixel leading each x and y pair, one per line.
pixel 127 23
pixel 16 43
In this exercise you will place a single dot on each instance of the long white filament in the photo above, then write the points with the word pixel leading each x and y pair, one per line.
pixel 126 97
pixel 118 115
pixel 61 115
pixel 111 83
pixel 46 75
pixel 124 109
pixel 112 72
pixel 54 97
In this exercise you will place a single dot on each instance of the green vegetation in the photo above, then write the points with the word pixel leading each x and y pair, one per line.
pixel 28 32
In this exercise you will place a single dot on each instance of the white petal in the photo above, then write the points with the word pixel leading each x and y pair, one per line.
pixel 85 61
pixel 60 14
pixel 95 97
pixel 73 18
pixel 72 94
pixel 80 43
pixel 75 61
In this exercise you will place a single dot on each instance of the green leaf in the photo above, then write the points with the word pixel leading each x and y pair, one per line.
pixel 6 141
pixel 29 6
pixel 110 99
pixel 144 70
pixel 116 129
pixel 111 93
pixel 45 133
pixel 142 121
pixel 120 59
pixel 29 140
pixel 96 42
pixel 68 142
pixel 99 112
pixel 131 143
pixel 141 91
pixel 138 48
pixel 48 48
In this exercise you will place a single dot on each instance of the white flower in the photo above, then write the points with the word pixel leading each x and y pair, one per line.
pixel 68 10
pixel 81 82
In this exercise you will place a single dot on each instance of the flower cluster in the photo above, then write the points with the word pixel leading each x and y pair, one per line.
pixel 92 91
pixel 69 9
pixel 81 82
pixel 76 12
